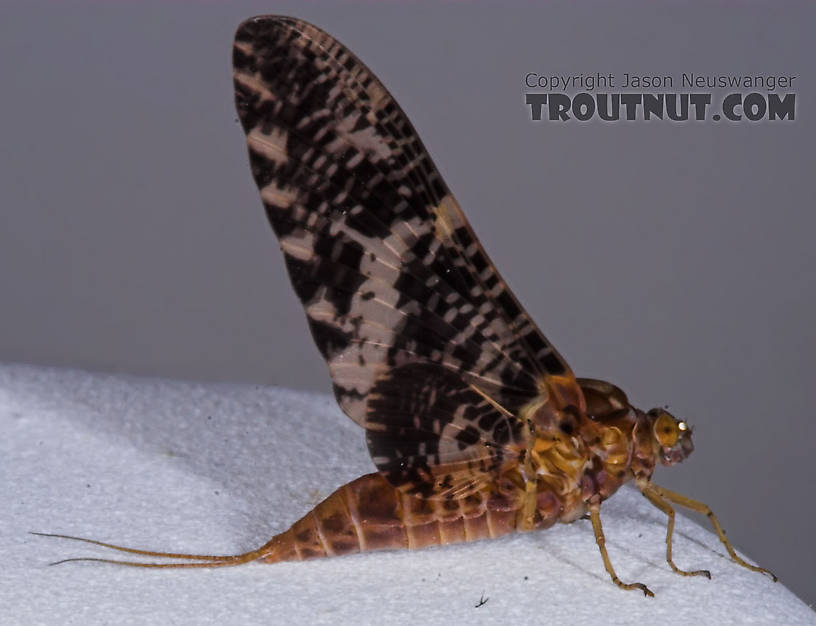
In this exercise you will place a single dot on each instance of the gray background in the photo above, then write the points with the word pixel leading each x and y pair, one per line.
pixel 676 260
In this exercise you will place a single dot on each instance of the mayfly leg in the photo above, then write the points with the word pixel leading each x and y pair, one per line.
pixel 652 495
pixel 595 517
pixel 699 507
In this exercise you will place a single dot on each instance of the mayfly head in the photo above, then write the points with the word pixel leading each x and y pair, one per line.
pixel 672 436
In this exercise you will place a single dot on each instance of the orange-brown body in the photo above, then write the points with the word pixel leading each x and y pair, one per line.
pixel 575 459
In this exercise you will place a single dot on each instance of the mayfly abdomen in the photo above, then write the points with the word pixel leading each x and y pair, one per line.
pixel 370 514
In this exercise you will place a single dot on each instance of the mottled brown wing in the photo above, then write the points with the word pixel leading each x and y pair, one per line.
pixel 427 347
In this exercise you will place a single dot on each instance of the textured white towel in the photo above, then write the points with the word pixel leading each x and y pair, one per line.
pixel 221 468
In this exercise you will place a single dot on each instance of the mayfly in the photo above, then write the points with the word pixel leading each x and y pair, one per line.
pixel 475 423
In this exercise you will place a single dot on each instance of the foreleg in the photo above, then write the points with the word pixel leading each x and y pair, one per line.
pixel 699 507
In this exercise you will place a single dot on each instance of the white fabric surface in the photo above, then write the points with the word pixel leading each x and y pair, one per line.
pixel 221 468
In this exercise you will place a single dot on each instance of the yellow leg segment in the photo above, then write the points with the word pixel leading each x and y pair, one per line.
pixel 526 515
pixel 528 508
pixel 595 517
pixel 654 497
pixel 699 507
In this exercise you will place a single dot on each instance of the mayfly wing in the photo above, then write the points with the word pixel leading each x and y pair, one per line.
pixel 427 347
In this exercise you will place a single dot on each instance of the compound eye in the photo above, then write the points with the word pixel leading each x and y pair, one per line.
pixel 665 430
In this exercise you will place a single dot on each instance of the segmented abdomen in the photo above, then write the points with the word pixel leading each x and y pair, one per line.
pixel 370 514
